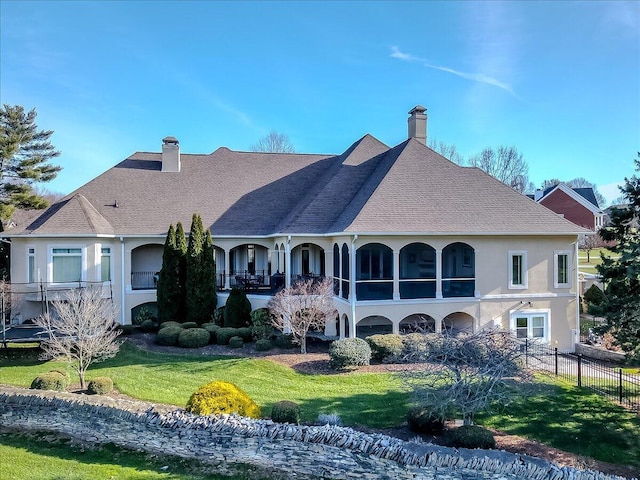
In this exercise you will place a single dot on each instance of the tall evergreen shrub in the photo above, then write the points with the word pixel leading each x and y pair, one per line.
pixel 237 311
pixel 200 284
pixel 169 288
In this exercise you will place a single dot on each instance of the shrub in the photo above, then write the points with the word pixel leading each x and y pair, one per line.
pixel 100 386
pixel 218 316
pixel 285 341
pixel 168 336
pixel 421 420
pixel 50 381
pixel 170 324
pixel 222 397
pixel 385 346
pixel 236 342
pixel 263 344
pixel 349 352
pixel 329 419
pixel 237 311
pixel 187 325
pixel 224 334
pixel 144 314
pixel 594 296
pixel 212 328
pixel 286 412
pixel 148 326
pixel 245 333
pixel 472 436
pixel 65 374
pixel 261 327
pixel 193 338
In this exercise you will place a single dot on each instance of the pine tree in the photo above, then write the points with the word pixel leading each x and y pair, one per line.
pixel 195 295
pixel 621 275
pixel 24 153
pixel 181 255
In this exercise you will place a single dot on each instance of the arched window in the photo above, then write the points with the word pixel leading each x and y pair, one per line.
pixel 345 271
pixel 458 270
pixel 374 274
pixel 336 269
pixel 417 271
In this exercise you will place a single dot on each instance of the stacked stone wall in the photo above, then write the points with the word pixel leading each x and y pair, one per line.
pixel 288 451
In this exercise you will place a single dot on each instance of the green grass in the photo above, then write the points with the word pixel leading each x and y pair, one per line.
pixel 44 456
pixel 367 399
pixel 590 266
pixel 574 420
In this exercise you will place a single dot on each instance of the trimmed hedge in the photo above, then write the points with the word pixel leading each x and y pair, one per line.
pixel 212 328
pixel 285 341
pixel 100 386
pixel 168 336
pixel 224 334
pixel 170 324
pixel 263 344
pixel 237 311
pixel 50 381
pixel 236 342
pixel 187 325
pixel 65 374
pixel 472 436
pixel 349 352
pixel 148 326
pixel 385 346
pixel 194 338
pixel 421 420
pixel 245 333
pixel 286 412
pixel 222 397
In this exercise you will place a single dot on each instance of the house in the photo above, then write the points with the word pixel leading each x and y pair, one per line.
pixel 578 205
pixel 408 236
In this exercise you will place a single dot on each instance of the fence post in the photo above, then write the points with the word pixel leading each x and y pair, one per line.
pixel 620 385
pixel 555 353
pixel 580 370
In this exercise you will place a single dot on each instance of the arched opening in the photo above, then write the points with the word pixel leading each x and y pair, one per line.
pixel 458 270
pixel 345 324
pixel 457 323
pixel 373 325
pixel 149 307
pixel 250 266
pixel 374 274
pixel 345 271
pixel 417 271
pixel 418 322
pixel 146 262
pixel 336 269
pixel 307 261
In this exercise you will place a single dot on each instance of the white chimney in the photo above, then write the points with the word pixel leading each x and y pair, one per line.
pixel 170 154
pixel 538 195
pixel 418 124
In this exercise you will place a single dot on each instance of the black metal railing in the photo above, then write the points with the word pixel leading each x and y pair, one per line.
pixel 595 375
pixel 144 280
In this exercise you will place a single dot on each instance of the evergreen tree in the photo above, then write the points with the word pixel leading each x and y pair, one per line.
pixel 196 301
pixel 168 288
pixel 209 276
pixel 24 153
pixel 621 275
pixel 237 310
pixel 181 255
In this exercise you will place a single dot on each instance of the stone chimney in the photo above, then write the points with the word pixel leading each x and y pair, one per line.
pixel 418 124
pixel 170 154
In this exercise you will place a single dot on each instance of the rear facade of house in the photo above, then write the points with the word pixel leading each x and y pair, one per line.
pixel 409 237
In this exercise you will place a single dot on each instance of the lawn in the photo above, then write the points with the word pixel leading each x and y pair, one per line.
pixel 590 266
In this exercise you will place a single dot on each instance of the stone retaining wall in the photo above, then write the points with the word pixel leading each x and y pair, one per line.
pixel 599 353
pixel 288 450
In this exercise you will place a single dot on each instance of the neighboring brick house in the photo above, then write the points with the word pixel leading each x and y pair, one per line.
pixel 578 205
pixel 406 234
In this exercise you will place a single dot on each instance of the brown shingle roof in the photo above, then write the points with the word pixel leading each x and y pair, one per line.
pixel 369 188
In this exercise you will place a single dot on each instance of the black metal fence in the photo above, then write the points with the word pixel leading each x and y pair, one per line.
pixel 595 375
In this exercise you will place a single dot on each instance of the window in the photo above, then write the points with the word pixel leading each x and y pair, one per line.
pixel 251 259
pixel 105 265
pixel 561 270
pixel 66 264
pixel 533 325
pixel 518 269
pixel 31 267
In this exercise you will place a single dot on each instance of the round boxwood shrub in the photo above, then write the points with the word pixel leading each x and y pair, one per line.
pixel 385 346
pixel 168 336
pixel 236 342
pixel 193 338
pixel 224 334
pixel 65 374
pixel 421 420
pixel 50 381
pixel 285 341
pixel 263 344
pixel 286 412
pixel 212 328
pixel 472 436
pixel 594 296
pixel 187 325
pixel 349 352
pixel 245 333
pixel 170 324
pixel 148 326
pixel 222 397
pixel 100 386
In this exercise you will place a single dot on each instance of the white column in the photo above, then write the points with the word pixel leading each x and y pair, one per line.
pixel 287 264
pixel 227 269
pixel 438 275
pixel 396 277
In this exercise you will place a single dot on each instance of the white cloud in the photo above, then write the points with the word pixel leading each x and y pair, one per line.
pixel 475 77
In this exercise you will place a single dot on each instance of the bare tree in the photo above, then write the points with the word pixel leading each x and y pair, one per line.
pixel 304 306
pixel 578 182
pixel 274 142
pixel 450 152
pixel 506 164
pixel 82 331
pixel 591 242
pixel 465 374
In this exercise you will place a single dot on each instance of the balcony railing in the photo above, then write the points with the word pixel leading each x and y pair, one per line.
pixel 459 287
pixel 144 280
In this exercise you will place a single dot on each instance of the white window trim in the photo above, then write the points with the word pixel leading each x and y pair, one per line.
pixel 83 254
pixel 556 283
pixel 525 273
pixel 110 255
pixel 35 264
pixel 529 313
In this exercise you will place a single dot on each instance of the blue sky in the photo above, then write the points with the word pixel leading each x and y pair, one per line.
pixel 558 80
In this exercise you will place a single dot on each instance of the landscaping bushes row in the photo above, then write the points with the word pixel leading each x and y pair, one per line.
pixel 59 380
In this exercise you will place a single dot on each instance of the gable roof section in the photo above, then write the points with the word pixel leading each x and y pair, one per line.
pixel 584 196
pixel 76 214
